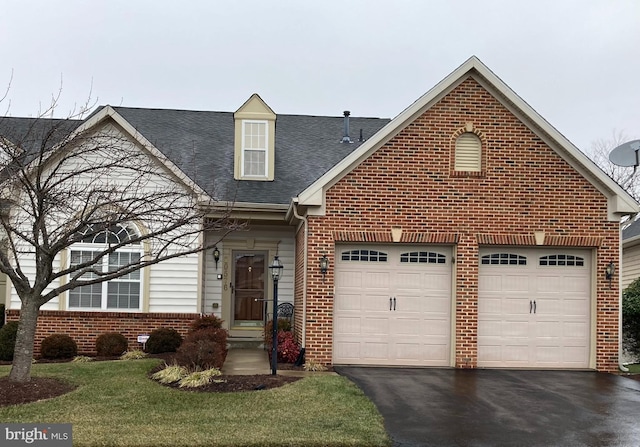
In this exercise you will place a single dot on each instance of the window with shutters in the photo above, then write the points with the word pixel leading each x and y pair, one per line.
pixel 468 156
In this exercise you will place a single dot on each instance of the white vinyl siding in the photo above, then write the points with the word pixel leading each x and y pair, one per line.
pixel 468 153
pixel 255 137
pixel 630 265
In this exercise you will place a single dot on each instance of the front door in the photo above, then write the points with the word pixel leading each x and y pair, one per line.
pixel 249 288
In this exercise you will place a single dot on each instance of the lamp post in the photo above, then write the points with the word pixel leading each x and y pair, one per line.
pixel 276 271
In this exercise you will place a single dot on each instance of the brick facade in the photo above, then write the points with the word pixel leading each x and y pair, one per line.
pixel 524 187
pixel 85 327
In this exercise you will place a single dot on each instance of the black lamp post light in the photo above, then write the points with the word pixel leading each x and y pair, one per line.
pixel 216 255
pixel 276 272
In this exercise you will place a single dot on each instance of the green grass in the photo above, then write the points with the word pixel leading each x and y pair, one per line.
pixel 115 404
pixel 635 368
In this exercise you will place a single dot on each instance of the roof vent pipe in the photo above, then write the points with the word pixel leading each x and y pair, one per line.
pixel 361 139
pixel 345 136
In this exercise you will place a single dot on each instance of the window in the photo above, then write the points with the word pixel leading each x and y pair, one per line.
pixel 468 153
pixel 427 257
pixel 564 260
pixel 254 148
pixel 503 259
pixel 364 255
pixel 120 293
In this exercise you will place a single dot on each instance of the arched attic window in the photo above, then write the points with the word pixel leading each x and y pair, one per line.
pixel 468 153
pixel 123 293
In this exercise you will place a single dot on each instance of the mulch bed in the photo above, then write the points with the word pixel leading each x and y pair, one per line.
pixel 39 388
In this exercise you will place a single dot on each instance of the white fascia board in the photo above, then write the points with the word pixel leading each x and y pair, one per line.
pixel 110 112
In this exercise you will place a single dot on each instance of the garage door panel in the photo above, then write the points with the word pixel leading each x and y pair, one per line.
pixel 551 325
pixel 418 330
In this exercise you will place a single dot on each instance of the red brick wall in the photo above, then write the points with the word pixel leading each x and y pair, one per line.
pixel 524 187
pixel 85 327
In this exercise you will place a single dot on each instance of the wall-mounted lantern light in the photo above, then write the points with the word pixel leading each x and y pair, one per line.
pixel 324 266
pixel 216 255
pixel 609 271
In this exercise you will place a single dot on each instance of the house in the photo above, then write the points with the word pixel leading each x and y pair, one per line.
pixel 630 254
pixel 465 232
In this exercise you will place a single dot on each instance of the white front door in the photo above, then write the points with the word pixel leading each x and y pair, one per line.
pixel 534 308
pixel 392 305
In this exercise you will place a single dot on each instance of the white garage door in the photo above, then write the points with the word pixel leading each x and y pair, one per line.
pixel 392 305
pixel 534 308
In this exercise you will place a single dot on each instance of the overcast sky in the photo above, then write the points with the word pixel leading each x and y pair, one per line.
pixel 576 62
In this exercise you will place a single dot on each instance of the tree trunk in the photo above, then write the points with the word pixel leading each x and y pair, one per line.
pixel 23 354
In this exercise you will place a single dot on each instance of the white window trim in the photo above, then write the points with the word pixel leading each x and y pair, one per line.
pixel 243 150
pixel 104 285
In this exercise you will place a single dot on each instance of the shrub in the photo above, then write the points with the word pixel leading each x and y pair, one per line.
pixel 82 359
pixel 283 325
pixel 631 317
pixel 163 339
pixel 288 349
pixel 8 340
pixel 203 349
pixel 111 344
pixel 206 322
pixel 58 346
pixel 135 354
pixel 170 374
pixel 311 365
pixel 199 378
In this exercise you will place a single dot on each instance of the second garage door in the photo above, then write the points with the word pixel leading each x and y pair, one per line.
pixel 392 305
pixel 534 308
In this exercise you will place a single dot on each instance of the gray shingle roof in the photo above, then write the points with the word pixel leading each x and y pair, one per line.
pixel 201 144
pixel 631 231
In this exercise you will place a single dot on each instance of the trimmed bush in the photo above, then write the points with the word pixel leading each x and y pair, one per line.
pixel 283 325
pixel 206 322
pixel 163 339
pixel 631 317
pixel 203 349
pixel 288 349
pixel 8 340
pixel 111 344
pixel 58 346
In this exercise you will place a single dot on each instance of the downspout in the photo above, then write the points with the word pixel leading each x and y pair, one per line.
pixel 620 365
pixel 304 269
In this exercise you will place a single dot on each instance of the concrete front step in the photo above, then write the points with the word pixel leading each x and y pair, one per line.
pixel 245 343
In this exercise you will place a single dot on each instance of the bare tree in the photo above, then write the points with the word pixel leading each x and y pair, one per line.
pixel 64 183
pixel 624 176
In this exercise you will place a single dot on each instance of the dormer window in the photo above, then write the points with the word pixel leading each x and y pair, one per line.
pixel 255 135
pixel 255 128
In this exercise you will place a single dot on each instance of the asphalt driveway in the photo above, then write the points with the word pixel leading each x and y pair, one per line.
pixel 447 407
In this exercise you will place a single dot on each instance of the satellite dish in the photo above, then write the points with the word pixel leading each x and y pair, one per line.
pixel 626 154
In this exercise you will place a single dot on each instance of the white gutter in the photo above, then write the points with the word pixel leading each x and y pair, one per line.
pixel 304 269
pixel 620 365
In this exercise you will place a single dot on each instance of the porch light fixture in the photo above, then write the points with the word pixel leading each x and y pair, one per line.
pixel 216 255
pixel 276 272
pixel 324 266
pixel 609 271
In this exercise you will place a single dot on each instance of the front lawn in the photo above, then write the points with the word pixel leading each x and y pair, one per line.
pixel 115 404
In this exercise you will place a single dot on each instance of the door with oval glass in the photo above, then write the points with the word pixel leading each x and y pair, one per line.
pixel 249 288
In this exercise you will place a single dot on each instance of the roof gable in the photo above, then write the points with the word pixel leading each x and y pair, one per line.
pixel 619 201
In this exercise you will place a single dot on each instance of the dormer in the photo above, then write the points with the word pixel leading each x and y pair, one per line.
pixel 255 130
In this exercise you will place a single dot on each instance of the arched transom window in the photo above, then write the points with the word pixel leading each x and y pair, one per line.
pixel 121 293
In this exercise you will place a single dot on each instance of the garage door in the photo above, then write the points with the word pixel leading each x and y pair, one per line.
pixel 534 308
pixel 392 305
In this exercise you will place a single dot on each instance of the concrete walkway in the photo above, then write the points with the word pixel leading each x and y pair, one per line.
pixel 246 362
pixel 251 361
